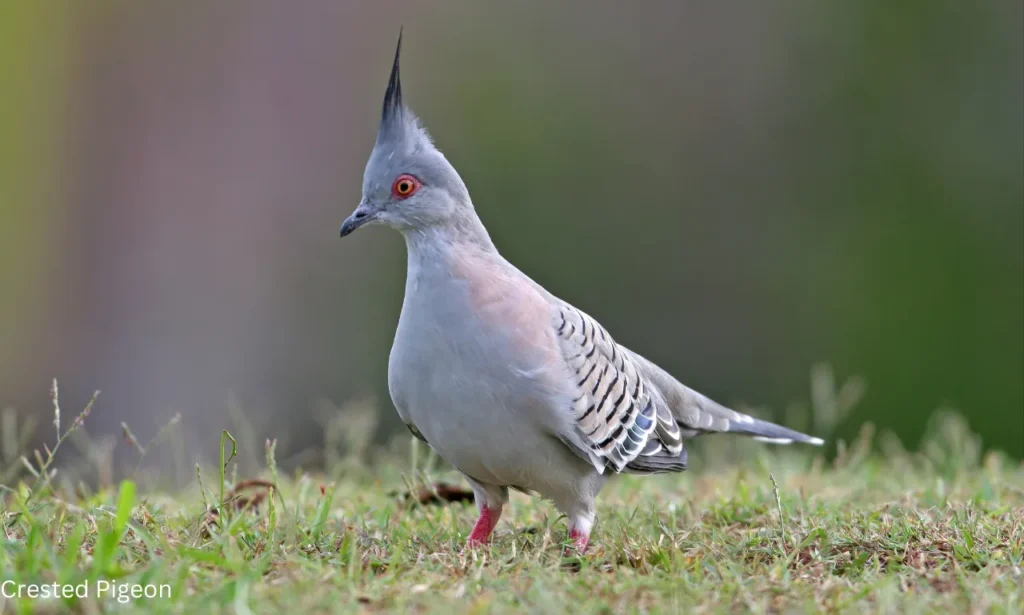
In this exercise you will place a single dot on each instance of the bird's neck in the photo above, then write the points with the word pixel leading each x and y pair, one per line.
pixel 466 232
pixel 437 248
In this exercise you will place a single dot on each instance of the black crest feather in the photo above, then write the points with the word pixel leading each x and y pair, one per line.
pixel 392 108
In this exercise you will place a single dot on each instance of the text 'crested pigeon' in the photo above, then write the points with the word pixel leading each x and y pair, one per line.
pixel 508 383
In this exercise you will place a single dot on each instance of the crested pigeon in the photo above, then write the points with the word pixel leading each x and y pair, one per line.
pixel 512 386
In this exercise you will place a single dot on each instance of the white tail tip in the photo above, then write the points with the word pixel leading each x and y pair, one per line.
pixel 768 440
pixel 809 440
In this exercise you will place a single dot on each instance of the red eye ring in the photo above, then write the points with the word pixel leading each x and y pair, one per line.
pixel 405 186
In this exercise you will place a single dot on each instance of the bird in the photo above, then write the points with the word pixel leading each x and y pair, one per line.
pixel 512 386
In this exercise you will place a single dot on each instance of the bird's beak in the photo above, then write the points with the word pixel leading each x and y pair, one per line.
pixel 364 214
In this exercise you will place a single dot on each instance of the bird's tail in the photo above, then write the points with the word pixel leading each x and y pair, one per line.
pixel 697 414
pixel 718 418
pixel 764 431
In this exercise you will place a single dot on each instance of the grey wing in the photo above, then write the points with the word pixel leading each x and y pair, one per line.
pixel 620 420
pixel 397 399
pixel 414 431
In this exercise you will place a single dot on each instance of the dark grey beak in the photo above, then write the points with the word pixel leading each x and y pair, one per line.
pixel 363 215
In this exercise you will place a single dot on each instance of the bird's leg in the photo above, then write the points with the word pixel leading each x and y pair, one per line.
pixel 489 516
pixel 490 500
pixel 579 542
pixel 579 533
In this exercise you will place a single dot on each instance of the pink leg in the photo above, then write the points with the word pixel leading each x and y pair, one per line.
pixel 579 541
pixel 579 533
pixel 484 526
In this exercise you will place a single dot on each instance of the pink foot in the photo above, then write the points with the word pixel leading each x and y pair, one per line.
pixel 484 526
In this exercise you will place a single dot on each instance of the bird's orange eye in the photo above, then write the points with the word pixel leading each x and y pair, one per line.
pixel 404 186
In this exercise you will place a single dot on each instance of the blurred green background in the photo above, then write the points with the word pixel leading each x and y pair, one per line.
pixel 738 190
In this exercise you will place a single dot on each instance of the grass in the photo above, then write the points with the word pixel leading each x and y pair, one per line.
pixel 754 528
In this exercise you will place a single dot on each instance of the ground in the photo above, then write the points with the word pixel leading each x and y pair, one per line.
pixel 748 528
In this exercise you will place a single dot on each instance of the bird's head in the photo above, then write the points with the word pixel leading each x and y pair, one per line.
pixel 408 184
